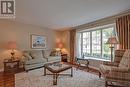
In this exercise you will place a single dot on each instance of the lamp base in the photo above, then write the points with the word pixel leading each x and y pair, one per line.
pixel 112 48
pixel 12 55
pixel 12 58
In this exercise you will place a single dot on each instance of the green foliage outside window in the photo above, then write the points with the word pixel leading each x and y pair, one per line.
pixel 97 37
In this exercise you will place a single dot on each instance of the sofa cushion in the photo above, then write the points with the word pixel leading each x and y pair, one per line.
pixel 47 53
pixel 53 53
pixel 53 58
pixel 33 66
pixel 35 61
pixel 36 54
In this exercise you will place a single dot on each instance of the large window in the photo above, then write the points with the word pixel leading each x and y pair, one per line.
pixel 93 42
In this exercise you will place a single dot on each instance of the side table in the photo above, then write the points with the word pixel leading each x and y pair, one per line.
pixel 11 66
pixel 64 58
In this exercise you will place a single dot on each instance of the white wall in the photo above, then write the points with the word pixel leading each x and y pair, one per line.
pixel 19 32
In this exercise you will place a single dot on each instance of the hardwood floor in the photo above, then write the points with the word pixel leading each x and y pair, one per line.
pixel 8 80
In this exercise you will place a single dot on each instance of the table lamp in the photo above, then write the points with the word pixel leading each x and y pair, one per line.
pixel 12 45
pixel 59 48
pixel 112 41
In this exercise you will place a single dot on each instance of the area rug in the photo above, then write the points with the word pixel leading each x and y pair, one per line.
pixel 80 78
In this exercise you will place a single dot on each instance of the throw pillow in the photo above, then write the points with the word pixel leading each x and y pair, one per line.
pixel 53 53
pixel 118 55
pixel 125 59
pixel 27 56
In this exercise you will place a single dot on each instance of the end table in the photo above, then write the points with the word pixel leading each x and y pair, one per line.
pixel 11 66
pixel 64 58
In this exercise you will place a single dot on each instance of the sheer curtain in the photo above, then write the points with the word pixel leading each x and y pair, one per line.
pixel 78 44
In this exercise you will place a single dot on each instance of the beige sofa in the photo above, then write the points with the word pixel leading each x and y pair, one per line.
pixel 33 59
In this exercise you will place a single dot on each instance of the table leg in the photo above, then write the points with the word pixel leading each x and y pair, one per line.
pixel 44 71
pixel 55 78
pixel 71 72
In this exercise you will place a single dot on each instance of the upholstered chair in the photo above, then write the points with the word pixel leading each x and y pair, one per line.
pixel 118 72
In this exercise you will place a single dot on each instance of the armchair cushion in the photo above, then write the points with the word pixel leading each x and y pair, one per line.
pixel 105 69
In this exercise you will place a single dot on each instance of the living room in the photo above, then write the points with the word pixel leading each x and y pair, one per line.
pixel 43 41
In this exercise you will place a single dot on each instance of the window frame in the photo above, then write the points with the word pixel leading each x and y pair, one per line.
pixel 101 28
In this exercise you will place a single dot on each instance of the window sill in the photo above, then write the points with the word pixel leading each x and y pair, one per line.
pixel 95 59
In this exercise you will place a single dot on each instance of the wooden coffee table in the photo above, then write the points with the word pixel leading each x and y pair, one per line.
pixel 56 68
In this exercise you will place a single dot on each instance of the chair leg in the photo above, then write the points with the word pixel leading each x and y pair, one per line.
pixel 88 69
pixel 77 67
pixel 99 75
pixel 105 83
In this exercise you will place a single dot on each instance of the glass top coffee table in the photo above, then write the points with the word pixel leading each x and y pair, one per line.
pixel 56 68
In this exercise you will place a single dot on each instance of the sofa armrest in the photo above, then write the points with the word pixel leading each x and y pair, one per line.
pixel 53 58
pixel 46 58
pixel 24 59
pixel 110 63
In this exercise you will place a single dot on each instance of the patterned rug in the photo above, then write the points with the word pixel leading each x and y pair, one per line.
pixel 35 78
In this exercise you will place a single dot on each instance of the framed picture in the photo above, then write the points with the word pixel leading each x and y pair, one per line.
pixel 38 41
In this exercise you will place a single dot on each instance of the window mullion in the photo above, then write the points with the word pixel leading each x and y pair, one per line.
pixel 81 44
pixel 86 41
pixel 101 44
pixel 91 43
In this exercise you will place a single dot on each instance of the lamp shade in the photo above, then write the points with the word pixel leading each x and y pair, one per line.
pixel 112 40
pixel 60 45
pixel 12 45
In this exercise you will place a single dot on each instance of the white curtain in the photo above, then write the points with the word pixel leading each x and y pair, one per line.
pixel 78 44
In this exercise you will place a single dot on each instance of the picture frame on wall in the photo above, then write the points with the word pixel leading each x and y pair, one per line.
pixel 38 41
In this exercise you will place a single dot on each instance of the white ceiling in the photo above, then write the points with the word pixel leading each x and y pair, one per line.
pixel 61 14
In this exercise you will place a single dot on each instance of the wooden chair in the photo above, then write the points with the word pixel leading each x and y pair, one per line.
pixel 82 63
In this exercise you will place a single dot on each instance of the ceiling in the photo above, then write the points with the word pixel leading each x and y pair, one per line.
pixel 63 14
